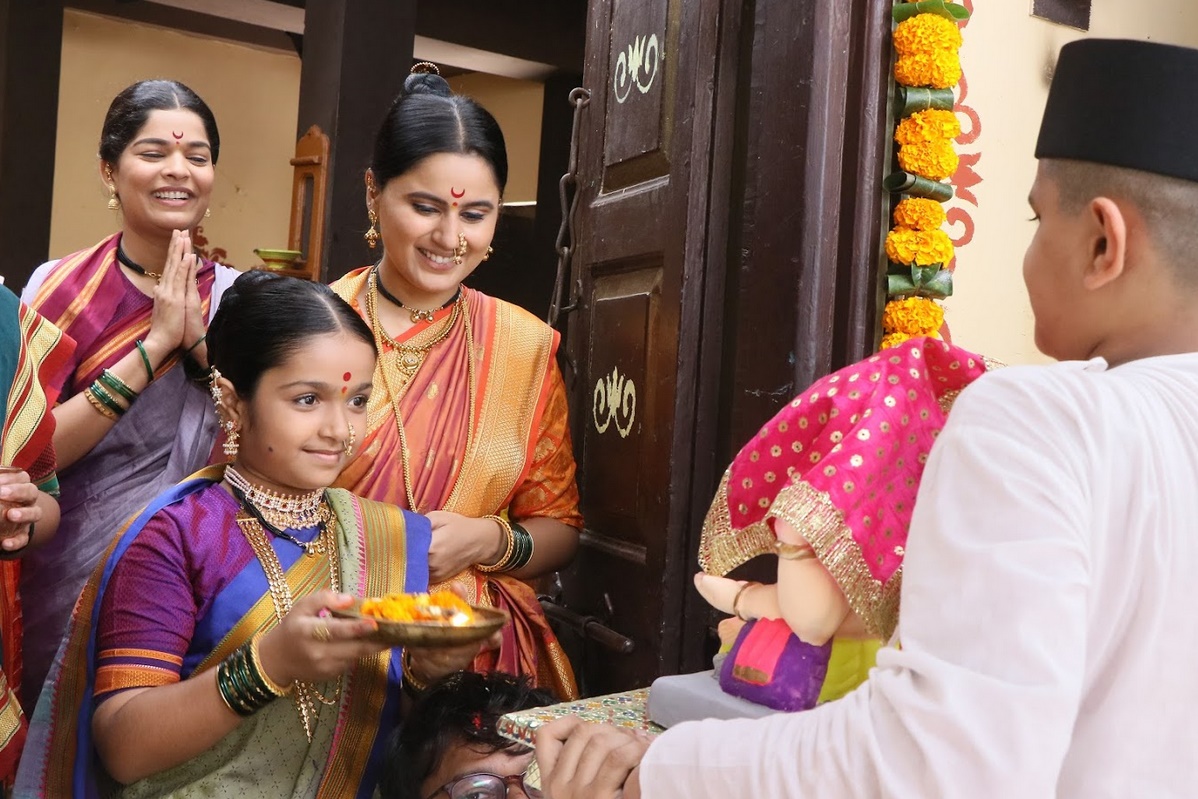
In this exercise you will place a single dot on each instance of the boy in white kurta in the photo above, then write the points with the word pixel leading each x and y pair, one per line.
pixel 1047 638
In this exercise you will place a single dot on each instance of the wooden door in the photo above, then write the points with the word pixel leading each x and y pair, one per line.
pixel 727 253
pixel 642 238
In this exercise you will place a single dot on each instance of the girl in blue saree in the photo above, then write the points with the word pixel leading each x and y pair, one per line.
pixel 201 659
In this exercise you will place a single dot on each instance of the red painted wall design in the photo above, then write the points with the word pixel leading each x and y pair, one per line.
pixel 960 216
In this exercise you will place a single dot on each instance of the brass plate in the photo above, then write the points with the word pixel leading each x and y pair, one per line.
pixel 431 634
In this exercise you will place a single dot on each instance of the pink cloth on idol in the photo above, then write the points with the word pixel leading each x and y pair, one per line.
pixel 841 464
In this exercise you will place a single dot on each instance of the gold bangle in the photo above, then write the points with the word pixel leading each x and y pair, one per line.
pixel 502 563
pixel 793 551
pixel 256 662
pixel 409 677
pixel 736 600
pixel 106 412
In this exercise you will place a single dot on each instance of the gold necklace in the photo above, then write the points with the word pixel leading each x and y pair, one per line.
pixel 410 357
pixel 306 694
pixel 279 510
pixel 395 393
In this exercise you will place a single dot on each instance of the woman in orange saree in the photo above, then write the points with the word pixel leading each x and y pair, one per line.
pixel 468 421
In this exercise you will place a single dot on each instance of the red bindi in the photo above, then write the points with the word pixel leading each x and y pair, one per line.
pixel 455 193
pixel 177 135
pixel 345 377
pixel 455 205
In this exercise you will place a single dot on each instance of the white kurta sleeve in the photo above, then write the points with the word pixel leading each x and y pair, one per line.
pixel 981 698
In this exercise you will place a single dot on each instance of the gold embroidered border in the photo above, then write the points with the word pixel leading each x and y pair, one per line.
pixel 151 654
pixel 816 517
pixel 722 548
pixel 382 537
pixel 117 678
pixel 497 453
pixel 813 514
pixel 10 715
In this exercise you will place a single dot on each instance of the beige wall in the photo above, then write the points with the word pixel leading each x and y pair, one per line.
pixel 516 105
pixel 1006 57
pixel 253 92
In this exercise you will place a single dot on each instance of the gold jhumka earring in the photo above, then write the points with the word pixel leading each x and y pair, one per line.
pixel 487 254
pixel 114 202
pixel 231 444
pixel 372 235
pixel 459 252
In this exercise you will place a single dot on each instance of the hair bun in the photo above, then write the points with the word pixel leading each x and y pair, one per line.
pixel 426 83
pixel 251 279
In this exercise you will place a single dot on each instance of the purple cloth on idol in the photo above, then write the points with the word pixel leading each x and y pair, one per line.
pixel 791 682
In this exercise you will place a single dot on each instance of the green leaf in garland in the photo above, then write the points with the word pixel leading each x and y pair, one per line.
pixel 920 98
pixel 951 11
pixel 898 285
pixel 941 285
pixel 921 276
pixel 899 282
pixel 917 186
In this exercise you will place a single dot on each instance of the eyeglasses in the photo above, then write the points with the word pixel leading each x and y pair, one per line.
pixel 486 786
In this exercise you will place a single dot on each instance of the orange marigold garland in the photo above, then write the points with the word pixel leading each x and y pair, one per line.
pixel 936 160
pixel 927 66
pixel 919 213
pixel 913 316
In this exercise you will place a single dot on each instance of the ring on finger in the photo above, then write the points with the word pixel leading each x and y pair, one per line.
pixel 321 632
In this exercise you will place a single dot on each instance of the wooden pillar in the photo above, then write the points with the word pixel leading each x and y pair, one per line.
pixel 30 56
pixel 806 246
pixel 356 56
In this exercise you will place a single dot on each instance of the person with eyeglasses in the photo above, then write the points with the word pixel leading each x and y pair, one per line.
pixel 448 747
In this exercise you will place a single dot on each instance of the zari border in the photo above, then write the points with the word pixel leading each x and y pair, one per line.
pixel 816 517
pixel 497 455
pixel 812 513
pixel 721 547
pixel 382 546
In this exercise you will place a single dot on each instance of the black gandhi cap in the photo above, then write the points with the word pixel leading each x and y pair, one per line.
pixel 1124 103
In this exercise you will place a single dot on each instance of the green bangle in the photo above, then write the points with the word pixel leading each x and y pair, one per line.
pixel 103 397
pixel 524 547
pixel 145 358
pixel 199 341
pixel 113 382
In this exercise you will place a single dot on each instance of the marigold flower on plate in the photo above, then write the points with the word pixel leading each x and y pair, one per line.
pixel 913 316
pixel 935 160
pixel 925 34
pixel 941 70
pixel 933 124
pixel 894 339
pixel 440 606
pixel 921 247
pixel 919 213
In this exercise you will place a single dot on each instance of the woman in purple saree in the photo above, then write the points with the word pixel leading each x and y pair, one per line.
pixel 130 423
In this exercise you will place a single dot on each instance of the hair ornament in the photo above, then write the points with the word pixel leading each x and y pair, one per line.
pixel 425 68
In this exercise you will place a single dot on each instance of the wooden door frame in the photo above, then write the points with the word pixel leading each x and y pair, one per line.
pixel 766 227
pixel 831 273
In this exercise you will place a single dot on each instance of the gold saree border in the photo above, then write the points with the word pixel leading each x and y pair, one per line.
pixel 27 407
pixel 813 514
pixel 382 544
pixel 497 455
